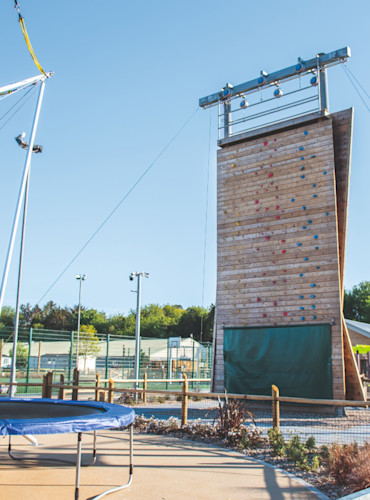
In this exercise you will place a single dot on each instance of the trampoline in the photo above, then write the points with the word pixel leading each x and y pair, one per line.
pixel 55 416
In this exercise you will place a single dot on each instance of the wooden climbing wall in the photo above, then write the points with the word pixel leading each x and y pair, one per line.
pixel 282 217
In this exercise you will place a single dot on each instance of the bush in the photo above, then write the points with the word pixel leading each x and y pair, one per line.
pixel 231 416
pixel 276 441
pixel 349 466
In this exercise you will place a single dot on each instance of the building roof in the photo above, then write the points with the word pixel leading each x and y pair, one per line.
pixel 358 327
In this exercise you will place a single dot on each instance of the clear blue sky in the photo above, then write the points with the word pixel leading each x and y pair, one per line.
pixel 127 76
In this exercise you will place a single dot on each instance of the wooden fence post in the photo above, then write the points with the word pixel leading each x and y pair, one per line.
pixel 76 381
pixel 184 401
pixel 111 391
pixel 97 386
pixel 145 387
pixel 44 385
pixel 62 391
pixel 275 408
pixel 49 381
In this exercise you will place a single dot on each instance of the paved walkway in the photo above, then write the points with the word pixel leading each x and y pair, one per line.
pixel 165 469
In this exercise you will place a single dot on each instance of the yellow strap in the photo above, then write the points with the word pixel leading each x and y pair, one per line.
pixel 26 37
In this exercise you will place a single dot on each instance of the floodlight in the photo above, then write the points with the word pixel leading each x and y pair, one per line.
pixel 244 104
pixel 23 144
pixel 314 81
pixel 278 92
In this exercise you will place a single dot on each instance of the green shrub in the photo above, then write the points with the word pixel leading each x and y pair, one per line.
pixel 276 442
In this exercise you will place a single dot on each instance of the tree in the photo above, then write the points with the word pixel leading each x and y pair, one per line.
pixel 22 356
pixel 191 322
pixel 89 343
pixel 7 316
pixel 357 302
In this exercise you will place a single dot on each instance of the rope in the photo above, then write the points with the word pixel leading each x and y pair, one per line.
pixel 20 107
pixel 118 205
pixel 346 70
pixel 28 42
pixel 206 223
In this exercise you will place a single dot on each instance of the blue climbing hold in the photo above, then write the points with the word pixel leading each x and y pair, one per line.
pixel 303 176
pixel 313 285
pixel 306 258
pixel 325 172
pixel 313 307
pixel 309 221
pixel 302 168
pixel 302 318
pixel 300 275
pixel 313 156
pixel 304 227
pixel 316 236
pixel 303 208
pixel 299 244
pixel 317 267
pixel 292 199
pixel 305 132
pixel 326 213
pixel 313 296
pixel 301 308
pixel 301 296
pixel 302 158
pixel 301 148
pixel 313 185
pixel 313 317
pixel 314 196
pixel 316 248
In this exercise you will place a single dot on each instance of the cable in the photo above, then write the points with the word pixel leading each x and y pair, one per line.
pixel 359 84
pixel 118 205
pixel 20 107
pixel 206 223
pixel 356 89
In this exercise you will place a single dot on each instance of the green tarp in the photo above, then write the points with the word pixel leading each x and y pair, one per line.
pixel 297 359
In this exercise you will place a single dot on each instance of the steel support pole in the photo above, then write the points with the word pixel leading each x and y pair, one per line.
pixel 78 322
pixel 78 466
pixel 227 120
pixel 137 333
pixel 25 176
pixel 324 100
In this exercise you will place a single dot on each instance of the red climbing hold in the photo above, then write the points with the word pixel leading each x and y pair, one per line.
pixel 275 149
pixel 285 314
pixel 274 282
pixel 256 201
pixel 258 299
pixel 271 174
pixel 275 303
pixel 277 207
pixel 277 197
pixel 277 216
pixel 282 241
pixel 257 249
pixel 264 315
pixel 283 251
pixel 267 238
pixel 274 140
pixel 265 143
pixel 284 270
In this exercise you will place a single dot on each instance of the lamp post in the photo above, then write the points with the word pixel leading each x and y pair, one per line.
pixel 81 278
pixel 137 330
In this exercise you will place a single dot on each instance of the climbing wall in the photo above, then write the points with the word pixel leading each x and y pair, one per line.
pixel 279 261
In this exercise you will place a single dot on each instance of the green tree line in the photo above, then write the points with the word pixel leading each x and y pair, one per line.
pixel 357 302
pixel 156 321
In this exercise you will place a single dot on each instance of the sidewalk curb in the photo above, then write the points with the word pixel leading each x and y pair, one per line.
pixel 360 495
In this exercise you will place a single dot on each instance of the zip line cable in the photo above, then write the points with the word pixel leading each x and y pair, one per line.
pixel 20 107
pixel 206 222
pixel 119 204
pixel 354 86
pixel 356 80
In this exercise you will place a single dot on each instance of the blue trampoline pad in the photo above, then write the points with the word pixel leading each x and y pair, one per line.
pixel 54 416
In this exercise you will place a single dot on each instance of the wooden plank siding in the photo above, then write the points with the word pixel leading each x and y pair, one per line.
pixel 282 205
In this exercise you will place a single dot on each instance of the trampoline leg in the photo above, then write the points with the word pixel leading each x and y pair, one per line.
pixel 78 466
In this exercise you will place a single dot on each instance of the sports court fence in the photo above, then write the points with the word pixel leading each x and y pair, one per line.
pixel 110 356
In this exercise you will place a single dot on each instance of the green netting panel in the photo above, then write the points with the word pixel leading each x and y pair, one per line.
pixel 297 359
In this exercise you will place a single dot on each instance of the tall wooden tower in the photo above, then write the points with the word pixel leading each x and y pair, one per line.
pixel 282 198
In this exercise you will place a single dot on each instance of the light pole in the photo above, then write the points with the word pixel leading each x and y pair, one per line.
pixel 137 330
pixel 81 278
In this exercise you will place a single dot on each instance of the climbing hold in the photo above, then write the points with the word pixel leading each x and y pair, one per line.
pixel 232 165
pixel 326 213
pixel 313 285
pixel 277 207
pixel 264 315
pixel 285 313
pixel 238 223
pixel 303 176
pixel 274 282
pixel 266 208
pixel 325 172
pixel 277 216
pixel 316 248
pixel 265 143
pixel 302 318
pixel 275 149
pixel 267 238
pixel 309 221
pixel 301 296
pixel 313 185
pixel 313 156
pixel 256 201
pixel 303 208
pixel 302 168
pixel 304 227
pixel 284 270
pixel 274 140
pixel 275 303
pixel 299 244
pixel 300 275
pixel 306 258
pixel 257 249
pixel 301 308
pixel 313 317
pixel 313 296
pixel 271 174
pixel 317 267
pixel 282 241
pixel 283 251
pixel 258 299
pixel 292 199
pixel 302 158
pixel 313 307
pixel 305 132
pixel 316 236
pixel 314 196
pixel 301 148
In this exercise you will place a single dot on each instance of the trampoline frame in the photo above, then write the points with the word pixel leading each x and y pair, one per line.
pixel 78 462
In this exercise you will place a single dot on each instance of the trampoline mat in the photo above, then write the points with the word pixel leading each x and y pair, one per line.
pixel 27 410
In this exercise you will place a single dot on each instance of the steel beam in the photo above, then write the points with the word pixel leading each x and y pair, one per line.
pixel 320 61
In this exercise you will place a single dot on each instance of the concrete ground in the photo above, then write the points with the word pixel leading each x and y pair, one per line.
pixel 165 469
